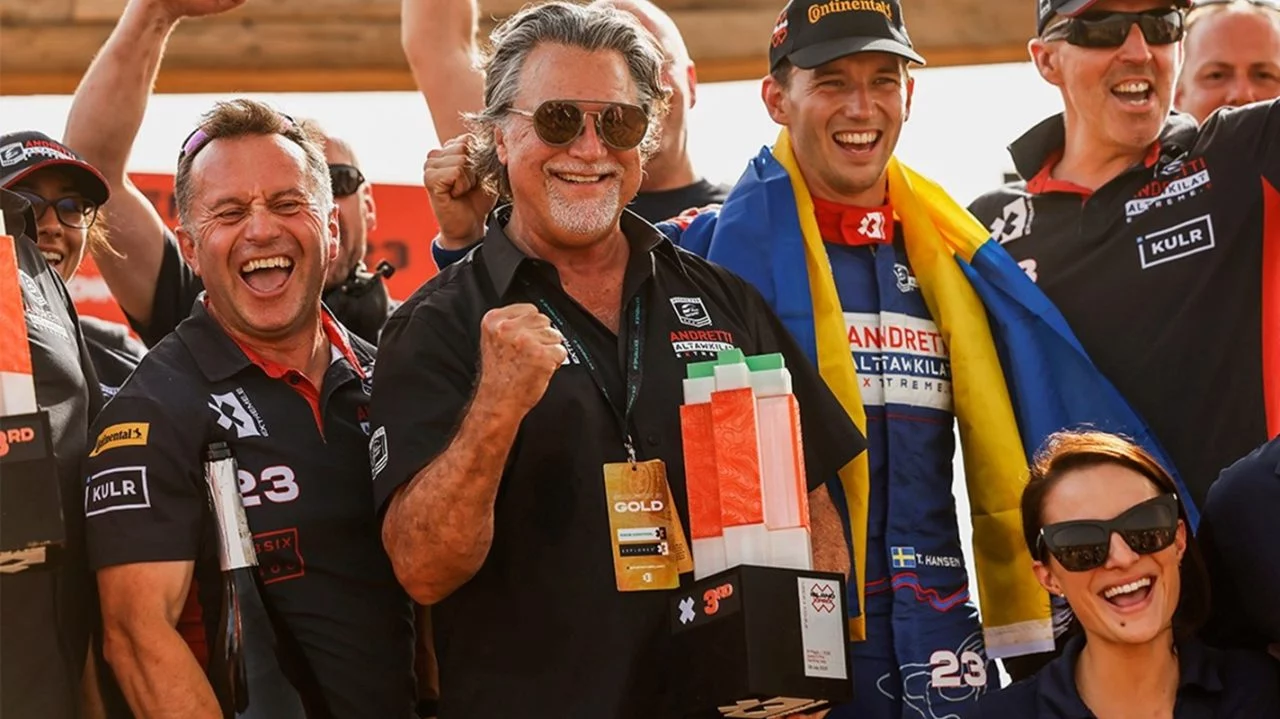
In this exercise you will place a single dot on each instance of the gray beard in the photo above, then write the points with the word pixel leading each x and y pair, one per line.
pixel 585 218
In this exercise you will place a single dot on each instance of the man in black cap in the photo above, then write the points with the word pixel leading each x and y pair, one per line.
pixel 1148 232
pixel 813 225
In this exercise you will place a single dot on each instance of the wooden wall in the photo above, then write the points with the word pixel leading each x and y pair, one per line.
pixel 334 45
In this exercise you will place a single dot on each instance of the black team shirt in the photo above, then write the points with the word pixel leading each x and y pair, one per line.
pixel 1169 275
pixel 541 630
pixel 343 622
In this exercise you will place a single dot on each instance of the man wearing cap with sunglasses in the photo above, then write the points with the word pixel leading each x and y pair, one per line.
pixel 146 273
pixel 1154 237
pixel 1231 55
pixel 515 383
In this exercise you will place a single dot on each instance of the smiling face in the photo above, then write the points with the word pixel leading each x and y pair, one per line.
pixel 62 246
pixel 1116 99
pixel 357 216
pixel 1131 599
pixel 261 243
pixel 569 196
pixel 844 118
pixel 1232 59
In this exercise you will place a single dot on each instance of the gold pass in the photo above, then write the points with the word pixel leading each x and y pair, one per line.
pixel 645 531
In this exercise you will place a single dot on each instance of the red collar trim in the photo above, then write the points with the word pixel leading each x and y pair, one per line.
pixel 842 224
pixel 1044 182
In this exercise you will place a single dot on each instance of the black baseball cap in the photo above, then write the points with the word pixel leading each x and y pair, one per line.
pixel 812 32
pixel 1071 8
pixel 22 153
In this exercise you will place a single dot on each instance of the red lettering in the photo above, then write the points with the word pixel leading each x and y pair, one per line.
pixel 873 338
pixel 909 335
pixel 895 337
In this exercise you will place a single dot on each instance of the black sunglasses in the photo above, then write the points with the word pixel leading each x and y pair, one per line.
pixel 346 179
pixel 72 211
pixel 1085 544
pixel 1111 29
pixel 560 122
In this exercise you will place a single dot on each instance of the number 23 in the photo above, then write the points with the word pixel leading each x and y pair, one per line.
pixel 283 488
pixel 946 669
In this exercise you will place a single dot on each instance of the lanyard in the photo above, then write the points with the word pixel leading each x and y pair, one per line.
pixel 634 338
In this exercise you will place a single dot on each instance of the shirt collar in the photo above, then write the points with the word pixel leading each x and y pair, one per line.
pixel 1040 144
pixel 1058 696
pixel 503 259
pixel 219 356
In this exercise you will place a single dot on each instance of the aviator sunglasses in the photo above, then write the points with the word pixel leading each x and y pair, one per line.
pixel 346 179
pixel 1111 29
pixel 1082 545
pixel 560 122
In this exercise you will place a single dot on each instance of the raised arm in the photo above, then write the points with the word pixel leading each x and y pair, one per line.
pixel 439 41
pixel 438 528
pixel 102 126
pixel 159 675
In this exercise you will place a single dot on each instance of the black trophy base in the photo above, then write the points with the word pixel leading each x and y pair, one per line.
pixel 30 500
pixel 761 642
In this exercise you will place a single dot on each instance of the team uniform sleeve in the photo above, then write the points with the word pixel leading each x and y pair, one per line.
pixel 144 497
pixel 831 440
pixel 421 388
pixel 1254 130
pixel 177 288
pixel 443 258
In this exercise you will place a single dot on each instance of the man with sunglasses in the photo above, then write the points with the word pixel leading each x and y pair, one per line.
pixel 1231 55
pixel 551 358
pixel 146 274
pixel 1148 232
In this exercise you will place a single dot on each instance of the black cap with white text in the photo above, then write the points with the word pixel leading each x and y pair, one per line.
pixel 810 33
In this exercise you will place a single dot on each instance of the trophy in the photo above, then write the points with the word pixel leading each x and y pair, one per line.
pixel 30 499
pixel 759 633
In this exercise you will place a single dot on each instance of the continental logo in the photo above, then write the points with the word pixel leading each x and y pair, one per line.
pixel 129 434
pixel 821 10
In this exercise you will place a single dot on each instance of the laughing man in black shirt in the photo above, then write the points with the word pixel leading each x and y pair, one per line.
pixel 1158 240
pixel 260 366
pixel 491 436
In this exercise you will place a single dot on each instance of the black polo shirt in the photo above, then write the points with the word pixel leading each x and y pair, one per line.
pixel 1212 684
pixel 178 286
pixel 302 454
pixel 46 612
pixel 541 626
pixel 1160 273
pixel 114 352
pixel 666 204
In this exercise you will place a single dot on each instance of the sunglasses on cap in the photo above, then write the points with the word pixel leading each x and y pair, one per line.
pixel 72 211
pixel 1111 29
pixel 560 122
pixel 346 179
pixel 1082 545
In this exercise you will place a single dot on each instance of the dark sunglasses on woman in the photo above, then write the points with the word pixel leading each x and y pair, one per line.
pixel 560 122
pixel 346 179
pixel 1110 29
pixel 72 211
pixel 1081 545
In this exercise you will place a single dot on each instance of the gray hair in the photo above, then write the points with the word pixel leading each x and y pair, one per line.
pixel 589 27
pixel 241 118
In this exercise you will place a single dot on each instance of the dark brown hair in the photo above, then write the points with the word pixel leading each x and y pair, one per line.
pixel 1064 452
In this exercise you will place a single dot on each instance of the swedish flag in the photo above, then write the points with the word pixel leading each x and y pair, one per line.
pixel 903 557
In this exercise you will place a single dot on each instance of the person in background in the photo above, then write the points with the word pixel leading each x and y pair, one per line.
pixel 1110 535
pixel 1239 523
pixel 439 38
pixel 1231 56
pixel 47 610
pixel 65 193
pixel 146 272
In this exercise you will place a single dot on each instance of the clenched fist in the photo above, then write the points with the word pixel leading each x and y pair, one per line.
pixel 459 202
pixel 519 352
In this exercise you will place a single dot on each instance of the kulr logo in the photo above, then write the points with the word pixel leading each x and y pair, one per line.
pixel 1174 243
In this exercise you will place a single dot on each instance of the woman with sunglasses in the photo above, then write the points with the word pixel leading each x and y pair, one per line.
pixel 1108 533
pixel 65 193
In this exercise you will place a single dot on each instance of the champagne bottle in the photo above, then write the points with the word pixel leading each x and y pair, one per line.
pixel 238 562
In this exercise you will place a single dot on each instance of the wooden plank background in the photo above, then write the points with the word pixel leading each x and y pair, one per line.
pixel 335 45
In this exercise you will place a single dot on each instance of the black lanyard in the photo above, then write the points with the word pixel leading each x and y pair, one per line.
pixel 634 337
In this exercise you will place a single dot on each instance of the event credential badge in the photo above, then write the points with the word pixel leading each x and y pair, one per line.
pixel 648 541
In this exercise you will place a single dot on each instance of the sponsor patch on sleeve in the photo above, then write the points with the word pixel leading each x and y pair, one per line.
pixel 378 455
pixel 116 489
pixel 126 434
